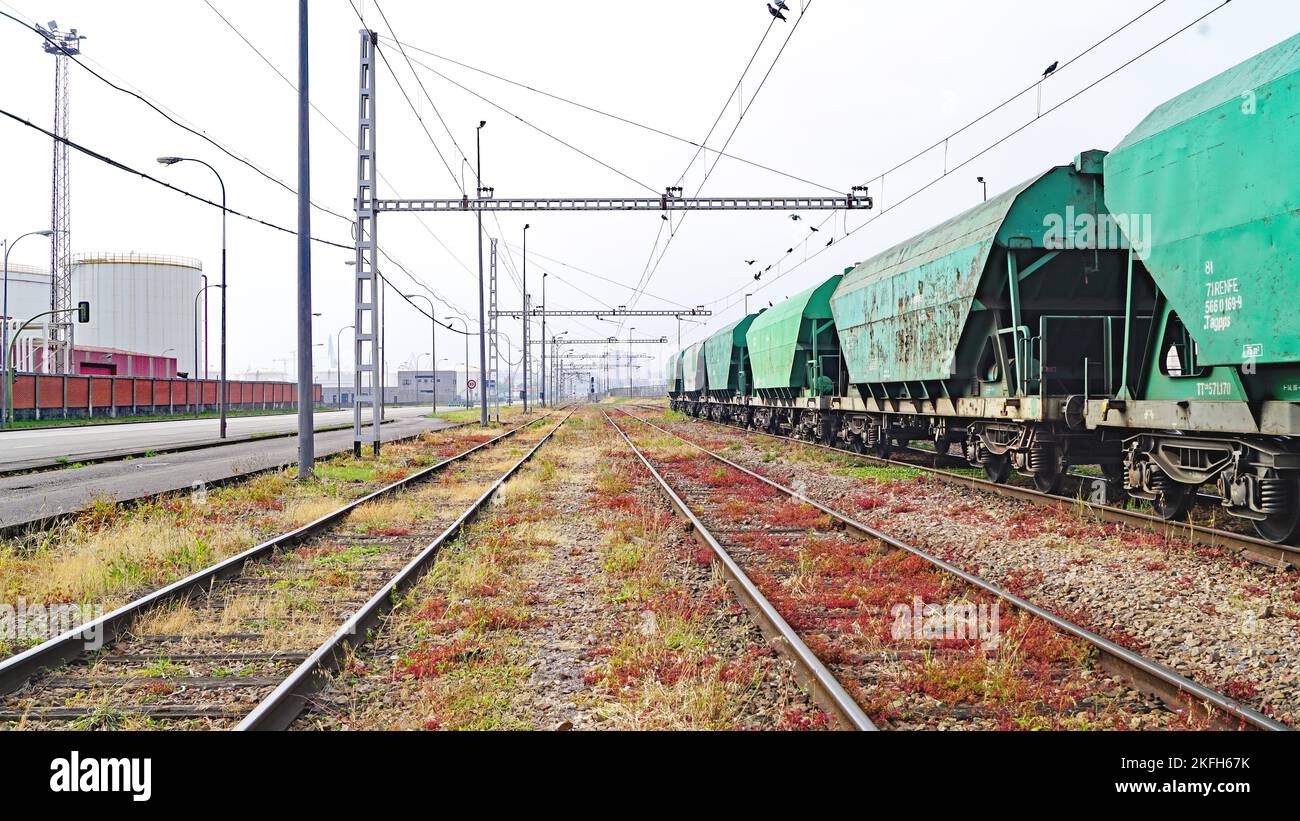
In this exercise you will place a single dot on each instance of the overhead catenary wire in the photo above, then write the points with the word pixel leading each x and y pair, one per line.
pixel 539 129
pixel 592 109
pixel 1017 130
pixel 650 272
pixel 351 141
pixel 943 141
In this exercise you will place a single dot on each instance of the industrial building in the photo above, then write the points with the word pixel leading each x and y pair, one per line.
pixel 418 387
pixel 149 316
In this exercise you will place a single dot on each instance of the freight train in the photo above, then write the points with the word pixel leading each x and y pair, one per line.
pixel 1137 310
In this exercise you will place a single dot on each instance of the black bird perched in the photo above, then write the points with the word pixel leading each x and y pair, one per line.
pixel 758 276
pixel 829 241
pixel 778 15
pixel 780 4
pixel 768 268
pixel 663 217
pixel 750 261
pixel 1051 68
pixel 789 250
pixel 795 217
pixel 814 228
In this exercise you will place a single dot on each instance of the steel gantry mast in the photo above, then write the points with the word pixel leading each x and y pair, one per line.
pixel 368 207
pixel 493 351
pixel 366 263
pixel 58 352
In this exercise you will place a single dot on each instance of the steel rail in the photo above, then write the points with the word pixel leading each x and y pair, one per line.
pixel 1142 672
pixel 826 689
pixel 284 704
pixel 8 530
pixel 1279 556
pixel 16 670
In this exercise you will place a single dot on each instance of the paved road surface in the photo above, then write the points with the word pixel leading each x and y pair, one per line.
pixel 35 496
pixel 28 448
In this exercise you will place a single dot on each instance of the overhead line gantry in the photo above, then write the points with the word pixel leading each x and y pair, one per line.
pixel 369 205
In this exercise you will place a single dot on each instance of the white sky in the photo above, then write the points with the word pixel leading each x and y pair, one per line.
pixel 860 87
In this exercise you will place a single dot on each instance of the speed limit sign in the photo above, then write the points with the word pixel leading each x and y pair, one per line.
pixel 472 384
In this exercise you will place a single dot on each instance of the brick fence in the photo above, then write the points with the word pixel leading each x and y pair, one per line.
pixel 51 396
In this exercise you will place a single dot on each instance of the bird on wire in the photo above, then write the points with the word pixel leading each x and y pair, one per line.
pixel 814 228
pixel 750 261
pixel 1051 68
pixel 775 13
pixel 780 4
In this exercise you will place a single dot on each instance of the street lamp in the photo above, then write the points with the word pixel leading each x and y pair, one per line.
pixel 4 315
pixel 981 181
pixel 433 345
pixel 466 324
pixel 221 401
pixel 203 290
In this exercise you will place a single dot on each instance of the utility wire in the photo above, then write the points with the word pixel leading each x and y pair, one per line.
pixel 653 130
pixel 201 135
pixel 942 141
pixel 121 166
pixel 649 274
pixel 239 158
pixel 1017 130
pixel 537 128
pixel 351 141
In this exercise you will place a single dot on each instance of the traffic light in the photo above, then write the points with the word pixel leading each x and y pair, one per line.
pixel 83 312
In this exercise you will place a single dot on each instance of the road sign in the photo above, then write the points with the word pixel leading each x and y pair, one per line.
pixel 472 384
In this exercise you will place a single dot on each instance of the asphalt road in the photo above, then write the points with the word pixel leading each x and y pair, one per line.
pixel 31 448
pixel 32 497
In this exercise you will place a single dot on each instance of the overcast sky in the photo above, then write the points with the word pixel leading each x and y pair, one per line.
pixel 859 87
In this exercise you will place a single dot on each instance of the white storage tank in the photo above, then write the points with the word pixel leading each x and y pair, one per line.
pixel 29 295
pixel 144 304
pixel 29 291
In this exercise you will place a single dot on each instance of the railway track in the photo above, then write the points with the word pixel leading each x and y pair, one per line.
pixel 750 547
pixel 1278 556
pixel 46 522
pixel 245 642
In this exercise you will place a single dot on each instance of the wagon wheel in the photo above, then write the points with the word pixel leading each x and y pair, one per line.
pixel 882 448
pixel 1284 527
pixel 1050 478
pixel 997 468
pixel 1174 501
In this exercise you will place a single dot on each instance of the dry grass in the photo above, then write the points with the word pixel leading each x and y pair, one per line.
pixel 102 566
pixel 305 511
pixel 384 512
